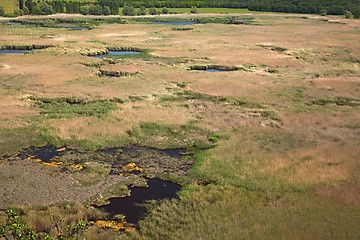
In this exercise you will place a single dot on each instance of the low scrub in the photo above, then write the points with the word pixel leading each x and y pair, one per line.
pixel 68 107
pixel 216 67
pixel 339 101
pixel 24 47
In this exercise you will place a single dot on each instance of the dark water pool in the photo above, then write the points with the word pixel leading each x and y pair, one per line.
pixel 177 152
pixel 45 153
pixel 187 23
pixel 6 51
pixel 132 206
pixel 117 53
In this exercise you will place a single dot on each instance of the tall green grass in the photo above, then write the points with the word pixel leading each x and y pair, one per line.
pixel 215 212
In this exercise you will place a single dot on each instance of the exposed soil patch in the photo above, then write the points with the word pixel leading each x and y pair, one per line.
pixel 27 182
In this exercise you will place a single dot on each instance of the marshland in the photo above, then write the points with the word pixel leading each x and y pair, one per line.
pixel 248 123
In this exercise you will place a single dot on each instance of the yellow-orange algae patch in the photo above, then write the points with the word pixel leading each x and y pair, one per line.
pixel 114 225
pixel 53 164
pixel 132 167
pixel 61 149
pixel 77 166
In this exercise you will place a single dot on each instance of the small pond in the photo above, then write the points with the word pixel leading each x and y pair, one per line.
pixel 117 53
pixel 132 207
pixel 79 28
pixel 14 23
pixel 212 70
pixel 11 51
pixel 45 153
pixel 176 152
pixel 175 23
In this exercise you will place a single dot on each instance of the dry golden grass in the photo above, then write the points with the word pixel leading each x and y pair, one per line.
pixel 121 121
pixel 12 107
pixel 325 163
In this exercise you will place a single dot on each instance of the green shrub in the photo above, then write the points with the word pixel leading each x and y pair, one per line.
pixel 165 10
pixel 95 10
pixel 193 9
pixel 84 10
pixel 15 228
pixel 106 11
pixel 142 11
pixel 348 14
pixel 323 12
pixel 128 10
pixel 152 11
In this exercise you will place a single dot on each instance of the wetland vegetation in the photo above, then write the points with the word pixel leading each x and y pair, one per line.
pixel 265 149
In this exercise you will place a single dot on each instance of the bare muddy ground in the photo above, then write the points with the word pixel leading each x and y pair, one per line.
pixel 25 182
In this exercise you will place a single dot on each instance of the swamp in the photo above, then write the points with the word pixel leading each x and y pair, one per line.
pixel 186 126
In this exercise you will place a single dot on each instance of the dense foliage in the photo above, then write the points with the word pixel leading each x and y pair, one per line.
pixel 335 7
pixel 111 7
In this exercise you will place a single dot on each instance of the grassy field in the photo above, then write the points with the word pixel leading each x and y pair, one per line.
pixel 280 135
pixel 9 5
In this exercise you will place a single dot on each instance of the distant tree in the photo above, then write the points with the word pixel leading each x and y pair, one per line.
pixel 30 6
pixel 2 12
pixel 323 12
pixel 152 11
pixel 26 10
pixel 128 10
pixel 165 10
pixel 106 10
pixel 45 8
pixel 142 11
pixel 95 10
pixel 356 11
pixel 193 9
pixel 41 8
pixel 84 10
pixel 21 4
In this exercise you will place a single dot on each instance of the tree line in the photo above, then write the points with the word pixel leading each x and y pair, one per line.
pixel 350 8
pixel 323 7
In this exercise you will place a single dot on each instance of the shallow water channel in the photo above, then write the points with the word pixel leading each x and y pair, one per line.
pixel 185 23
pixel 11 51
pixel 117 53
